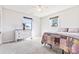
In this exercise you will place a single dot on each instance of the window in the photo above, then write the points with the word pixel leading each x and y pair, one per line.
pixel 53 21
pixel 27 23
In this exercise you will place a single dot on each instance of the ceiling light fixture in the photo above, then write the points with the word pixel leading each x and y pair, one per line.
pixel 39 8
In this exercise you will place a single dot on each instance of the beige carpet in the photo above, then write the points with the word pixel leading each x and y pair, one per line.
pixel 25 47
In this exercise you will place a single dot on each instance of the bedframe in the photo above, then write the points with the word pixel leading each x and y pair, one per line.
pixel 67 39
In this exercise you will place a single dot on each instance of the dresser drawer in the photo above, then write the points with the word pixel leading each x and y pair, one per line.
pixel 19 37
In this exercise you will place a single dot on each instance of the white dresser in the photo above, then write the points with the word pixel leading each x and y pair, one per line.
pixel 22 34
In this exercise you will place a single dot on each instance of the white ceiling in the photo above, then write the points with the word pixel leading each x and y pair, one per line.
pixel 31 9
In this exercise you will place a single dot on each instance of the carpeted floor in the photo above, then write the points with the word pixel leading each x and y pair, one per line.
pixel 25 47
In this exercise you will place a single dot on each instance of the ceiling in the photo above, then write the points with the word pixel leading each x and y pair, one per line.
pixel 32 9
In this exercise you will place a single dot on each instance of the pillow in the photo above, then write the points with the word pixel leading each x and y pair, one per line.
pixel 63 30
pixel 73 30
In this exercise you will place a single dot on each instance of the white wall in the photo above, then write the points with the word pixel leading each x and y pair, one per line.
pixel 67 18
pixel 36 28
pixel 0 17
pixel 12 20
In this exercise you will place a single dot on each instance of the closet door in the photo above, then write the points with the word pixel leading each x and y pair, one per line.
pixel 0 25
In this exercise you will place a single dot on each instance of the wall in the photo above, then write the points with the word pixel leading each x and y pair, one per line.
pixel 12 20
pixel 0 17
pixel 67 18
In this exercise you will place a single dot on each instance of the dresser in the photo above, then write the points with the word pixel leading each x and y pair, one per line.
pixel 22 34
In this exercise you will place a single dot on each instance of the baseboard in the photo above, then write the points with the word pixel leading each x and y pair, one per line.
pixel 36 37
pixel 8 42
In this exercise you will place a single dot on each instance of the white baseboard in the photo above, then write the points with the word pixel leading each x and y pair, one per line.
pixel 36 37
